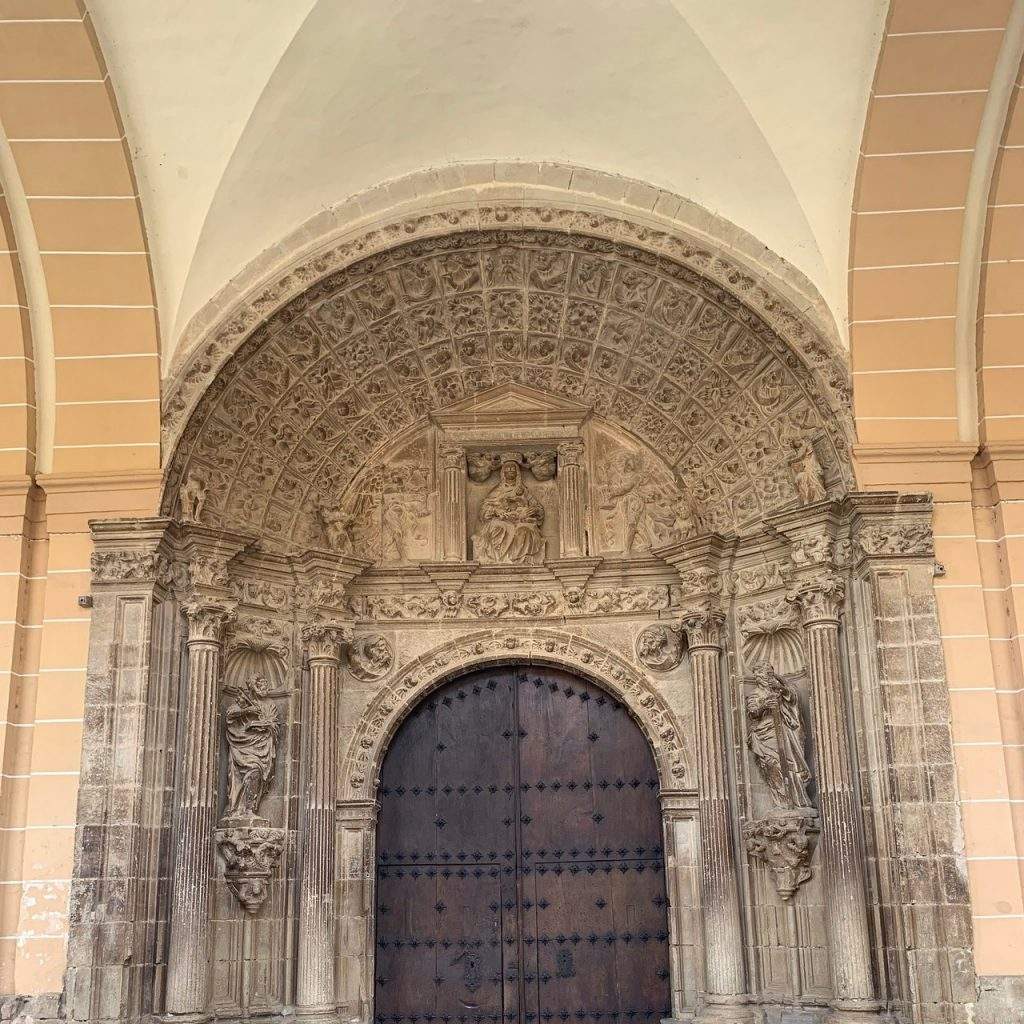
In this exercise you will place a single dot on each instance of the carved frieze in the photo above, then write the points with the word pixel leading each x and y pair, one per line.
pixel 455 604
pixel 131 567
pixel 896 539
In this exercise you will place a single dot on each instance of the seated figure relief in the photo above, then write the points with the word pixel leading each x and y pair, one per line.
pixel 509 530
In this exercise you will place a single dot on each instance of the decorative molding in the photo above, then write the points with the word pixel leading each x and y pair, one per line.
pixel 452 603
pixel 128 566
pixel 895 539
pixel 389 705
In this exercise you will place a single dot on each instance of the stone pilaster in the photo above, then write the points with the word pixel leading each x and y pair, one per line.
pixel 571 532
pixel 724 968
pixel 188 960
pixel 819 596
pixel 453 502
pixel 357 822
pixel 315 969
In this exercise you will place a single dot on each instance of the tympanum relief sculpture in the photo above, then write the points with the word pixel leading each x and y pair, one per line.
pixel 510 519
pixel 784 838
pixel 248 843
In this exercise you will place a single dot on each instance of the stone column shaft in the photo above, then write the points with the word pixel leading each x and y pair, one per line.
pixel 571 533
pixel 841 849
pixel 188 959
pixel 453 503
pixel 725 973
pixel 315 985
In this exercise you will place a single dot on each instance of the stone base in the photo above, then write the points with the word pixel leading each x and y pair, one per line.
pixel 835 1016
pixel 730 1013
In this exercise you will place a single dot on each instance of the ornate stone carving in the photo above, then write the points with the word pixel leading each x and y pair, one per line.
pixel 703 627
pixel 328 380
pixel 131 567
pixel 208 571
pixel 807 473
pixel 252 727
pixel 771 633
pixel 817 549
pixel 775 735
pixel 262 593
pixel 638 506
pixel 896 539
pixel 370 657
pixel 207 620
pixel 256 633
pixel 250 853
pixel 337 528
pixel 324 640
pixel 659 647
pixel 453 604
pixel 192 498
pixel 756 578
pixel 784 843
pixel 819 597
pixel 510 521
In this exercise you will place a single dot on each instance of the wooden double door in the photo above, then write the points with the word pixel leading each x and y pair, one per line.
pixel 520 871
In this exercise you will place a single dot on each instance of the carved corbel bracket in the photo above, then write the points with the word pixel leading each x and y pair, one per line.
pixel 784 843
pixel 250 848
pixel 324 577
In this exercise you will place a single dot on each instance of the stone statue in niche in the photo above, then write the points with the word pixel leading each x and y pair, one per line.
pixel 252 727
pixel 337 526
pixel 776 738
pixel 660 648
pixel 248 843
pixel 509 530
pixel 192 498
pixel 807 473
pixel 639 511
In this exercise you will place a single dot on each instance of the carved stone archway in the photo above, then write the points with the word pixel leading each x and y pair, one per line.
pixel 588 658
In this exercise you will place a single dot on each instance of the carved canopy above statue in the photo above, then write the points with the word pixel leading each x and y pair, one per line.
pixel 669 361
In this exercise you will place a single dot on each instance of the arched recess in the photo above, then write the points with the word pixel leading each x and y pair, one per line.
pixel 361 762
pixel 683 353
pixel 489 195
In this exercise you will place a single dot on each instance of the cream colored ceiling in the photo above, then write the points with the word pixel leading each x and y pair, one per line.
pixel 248 117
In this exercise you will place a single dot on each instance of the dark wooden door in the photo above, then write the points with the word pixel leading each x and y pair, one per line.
pixel 520 875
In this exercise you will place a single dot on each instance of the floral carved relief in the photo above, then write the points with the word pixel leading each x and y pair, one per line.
pixel 323 385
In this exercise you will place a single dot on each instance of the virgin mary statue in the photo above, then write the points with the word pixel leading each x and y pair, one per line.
pixel 510 521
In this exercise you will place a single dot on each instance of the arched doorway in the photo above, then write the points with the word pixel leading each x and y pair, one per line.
pixel 520 871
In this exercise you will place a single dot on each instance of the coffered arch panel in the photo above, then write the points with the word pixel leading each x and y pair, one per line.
pixel 650 345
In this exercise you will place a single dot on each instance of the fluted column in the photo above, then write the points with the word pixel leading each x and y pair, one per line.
pixel 453 502
pixel 820 598
pixel 188 957
pixel 571 534
pixel 725 973
pixel 315 988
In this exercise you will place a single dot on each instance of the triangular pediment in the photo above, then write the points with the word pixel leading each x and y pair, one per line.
pixel 512 405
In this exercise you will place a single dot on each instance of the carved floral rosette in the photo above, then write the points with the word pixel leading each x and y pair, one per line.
pixel 250 848
pixel 784 842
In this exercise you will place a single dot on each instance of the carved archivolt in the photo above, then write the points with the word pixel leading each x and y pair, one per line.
pixel 388 707
pixel 350 365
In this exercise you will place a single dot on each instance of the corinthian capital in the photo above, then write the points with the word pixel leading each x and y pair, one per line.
pixel 207 620
pixel 324 640
pixel 704 627
pixel 819 597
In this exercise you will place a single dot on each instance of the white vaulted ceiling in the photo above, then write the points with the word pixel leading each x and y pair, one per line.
pixel 248 117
